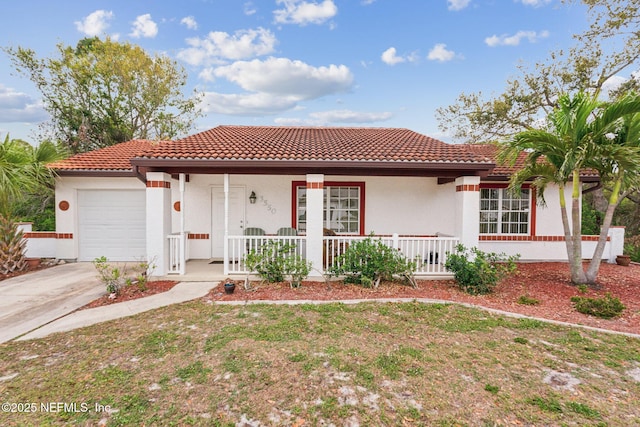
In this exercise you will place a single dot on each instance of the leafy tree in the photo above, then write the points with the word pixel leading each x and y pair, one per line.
pixel 583 133
pixel 531 94
pixel 103 92
pixel 22 171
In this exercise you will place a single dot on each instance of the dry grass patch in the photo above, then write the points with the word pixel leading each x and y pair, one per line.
pixel 367 364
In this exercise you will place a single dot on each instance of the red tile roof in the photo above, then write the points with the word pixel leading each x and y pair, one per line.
pixel 501 171
pixel 114 158
pixel 491 151
pixel 314 143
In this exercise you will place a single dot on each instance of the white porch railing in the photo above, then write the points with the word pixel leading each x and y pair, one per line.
pixel 178 253
pixel 240 246
pixel 429 253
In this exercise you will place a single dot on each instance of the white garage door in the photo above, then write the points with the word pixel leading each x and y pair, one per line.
pixel 112 224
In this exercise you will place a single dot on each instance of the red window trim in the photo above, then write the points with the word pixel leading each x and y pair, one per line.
pixel 532 204
pixel 294 199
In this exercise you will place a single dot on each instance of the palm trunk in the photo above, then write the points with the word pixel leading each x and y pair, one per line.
pixel 594 265
pixel 565 223
pixel 578 276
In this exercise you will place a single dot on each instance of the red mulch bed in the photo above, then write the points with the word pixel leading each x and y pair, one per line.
pixel 29 269
pixel 132 292
pixel 547 282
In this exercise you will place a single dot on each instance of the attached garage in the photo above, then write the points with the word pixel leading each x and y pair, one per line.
pixel 111 223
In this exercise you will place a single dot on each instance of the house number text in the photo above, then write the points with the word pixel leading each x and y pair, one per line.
pixel 268 206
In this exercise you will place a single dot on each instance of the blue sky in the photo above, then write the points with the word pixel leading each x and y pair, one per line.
pixel 381 63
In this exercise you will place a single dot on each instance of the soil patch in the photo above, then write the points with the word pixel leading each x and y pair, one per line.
pixel 548 283
pixel 132 292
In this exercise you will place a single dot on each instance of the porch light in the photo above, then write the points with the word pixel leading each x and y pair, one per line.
pixel 252 198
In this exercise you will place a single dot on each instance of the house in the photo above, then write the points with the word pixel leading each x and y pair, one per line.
pixel 217 194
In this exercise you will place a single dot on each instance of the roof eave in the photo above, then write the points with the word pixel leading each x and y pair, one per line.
pixel 333 167
pixel 113 173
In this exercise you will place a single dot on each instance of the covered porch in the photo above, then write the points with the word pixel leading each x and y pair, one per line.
pixel 434 219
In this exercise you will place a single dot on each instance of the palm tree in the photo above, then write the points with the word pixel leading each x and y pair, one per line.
pixel 22 170
pixel 583 133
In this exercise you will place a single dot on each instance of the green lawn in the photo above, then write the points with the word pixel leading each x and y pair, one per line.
pixel 368 364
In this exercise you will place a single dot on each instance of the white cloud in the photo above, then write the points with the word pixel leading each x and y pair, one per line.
pixel 189 22
pixel 440 53
pixel 18 107
pixel 611 84
pixel 514 40
pixel 291 121
pixel 389 57
pixel 249 8
pixel 303 12
pixel 458 4
pixel 252 104
pixel 275 85
pixel 144 26
pixel 535 3
pixel 348 116
pixel 207 74
pixel 367 2
pixel 95 23
pixel 285 77
pixel 218 46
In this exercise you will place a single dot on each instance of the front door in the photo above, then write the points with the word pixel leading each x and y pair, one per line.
pixel 236 217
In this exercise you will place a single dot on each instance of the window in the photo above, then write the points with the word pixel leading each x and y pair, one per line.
pixel 504 212
pixel 343 207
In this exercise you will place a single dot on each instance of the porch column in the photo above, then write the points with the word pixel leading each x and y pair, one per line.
pixel 468 210
pixel 158 220
pixel 315 224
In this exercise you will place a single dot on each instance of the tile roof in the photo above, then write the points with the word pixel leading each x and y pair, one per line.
pixel 505 171
pixel 314 143
pixel 114 158
pixel 491 151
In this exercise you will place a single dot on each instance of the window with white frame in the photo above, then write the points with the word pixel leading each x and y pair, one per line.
pixel 505 212
pixel 342 211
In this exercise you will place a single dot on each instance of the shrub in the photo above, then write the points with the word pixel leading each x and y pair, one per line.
pixel 477 272
pixel 367 262
pixel 606 307
pixel 632 248
pixel 527 300
pixel 275 260
pixel 117 277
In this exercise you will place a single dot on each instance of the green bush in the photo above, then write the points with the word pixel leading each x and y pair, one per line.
pixel 527 300
pixel 632 248
pixel 275 260
pixel 367 262
pixel 606 307
pixel 477 272
pixel 117 277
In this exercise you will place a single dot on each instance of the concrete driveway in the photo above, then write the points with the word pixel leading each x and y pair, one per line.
pixel 35 299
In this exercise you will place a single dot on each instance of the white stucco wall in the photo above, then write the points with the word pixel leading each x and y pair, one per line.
pixel 38 243
pixel 392 205
pixel 403 205
pixel 408 205
pixel 548 217
pixel 67 221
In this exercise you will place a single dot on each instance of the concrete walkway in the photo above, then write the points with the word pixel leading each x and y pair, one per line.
pixel 37 304
pixel 34 299
pixel 184 291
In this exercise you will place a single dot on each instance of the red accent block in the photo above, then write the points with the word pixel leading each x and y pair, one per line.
pixel 158 184
pixel 315 185
pixel 467 187
pixel 198 236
